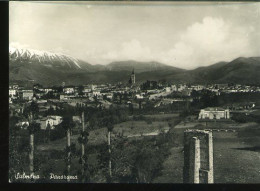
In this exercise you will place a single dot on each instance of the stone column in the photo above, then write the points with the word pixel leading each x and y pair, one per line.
pixel 210 158
pixel 198 157
pixel 196 147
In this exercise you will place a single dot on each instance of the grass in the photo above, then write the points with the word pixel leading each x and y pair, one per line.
pixel 99 136
pixel 162 116
pixel 236 154
pixel 234 161
pixel 139 127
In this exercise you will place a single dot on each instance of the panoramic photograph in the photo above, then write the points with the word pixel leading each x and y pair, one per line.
pixel 134 92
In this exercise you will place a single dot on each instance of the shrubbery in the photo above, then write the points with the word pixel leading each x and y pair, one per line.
pixel 135 161
pixel 242 118
pixel 58 133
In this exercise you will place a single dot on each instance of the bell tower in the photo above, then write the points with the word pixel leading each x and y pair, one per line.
pixel 132 78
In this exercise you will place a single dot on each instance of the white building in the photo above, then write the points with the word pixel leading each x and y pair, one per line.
pixel 181 87
pixel 174 88
pixel 76 118
pixel 167 89
pixel 46 90
pixel 214 113
pixel 27 94
pixel 86 90
pixel 12 92
pixel 197 87
pixel 96 93
pixel 53 120
pixel 68 90
pixel 139 96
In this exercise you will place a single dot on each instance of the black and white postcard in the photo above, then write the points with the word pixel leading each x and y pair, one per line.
pixel 134 92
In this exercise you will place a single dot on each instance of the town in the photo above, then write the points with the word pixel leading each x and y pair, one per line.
pixel 136 112
pixel 152 93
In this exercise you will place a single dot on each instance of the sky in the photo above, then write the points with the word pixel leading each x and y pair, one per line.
pixel 184 35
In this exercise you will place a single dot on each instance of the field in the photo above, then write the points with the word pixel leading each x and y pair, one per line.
pixel 236 159
pixel 236 154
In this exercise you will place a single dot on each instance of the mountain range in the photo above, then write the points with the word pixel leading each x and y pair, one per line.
pixel 32 66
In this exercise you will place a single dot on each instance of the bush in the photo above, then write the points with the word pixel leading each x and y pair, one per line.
pixel 58 133
pixel 242 118
pixel 149 121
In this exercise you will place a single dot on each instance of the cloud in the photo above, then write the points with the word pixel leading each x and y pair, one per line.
pixel 201 44
pixel 210 41
pixel 18 45
pixel 132 50
pixel 60 50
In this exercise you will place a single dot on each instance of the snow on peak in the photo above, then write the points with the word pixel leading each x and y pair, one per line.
pixel 41 55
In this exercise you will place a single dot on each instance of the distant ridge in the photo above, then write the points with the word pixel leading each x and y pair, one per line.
pixel 27 66
pixel 139 66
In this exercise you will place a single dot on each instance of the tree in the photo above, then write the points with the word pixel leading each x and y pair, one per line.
pixel 147 162
pixel 50 111
pixel 31 113
pixel 131 108
pixel 140 104
pixel 83 139
pixel 48 129
pixel 81 88
pixel 67 124
pixel 14 157
pixel 209 99
pixel 108 122
pixel 32 128
pixel 31 109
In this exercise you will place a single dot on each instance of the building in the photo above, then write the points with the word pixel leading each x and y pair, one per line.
pixel 167 89
pixel 174 88
pixel 69 90
pixel 87 90
pixel 214 113
pixel 76 118
pixel 27 94
pixel 12 92
pixel 23 124
pixel 132 78
pixel 96 93
pixel 46 90
pixel 53 120
pixel 14 86
pixel 181 87
pixel 197 87
pixel 186 92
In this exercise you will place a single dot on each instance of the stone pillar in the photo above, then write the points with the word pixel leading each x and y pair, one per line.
pixel 196 148
pixel 198 157
pixel 210 157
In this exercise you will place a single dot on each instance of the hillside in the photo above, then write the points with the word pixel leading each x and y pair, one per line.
pixel 140 66
pixel 29 66
pixel 240 70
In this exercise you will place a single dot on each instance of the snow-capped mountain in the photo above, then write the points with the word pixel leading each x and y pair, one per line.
pixel 45 58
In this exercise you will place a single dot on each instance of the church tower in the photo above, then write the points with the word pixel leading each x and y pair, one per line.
pixel 132 78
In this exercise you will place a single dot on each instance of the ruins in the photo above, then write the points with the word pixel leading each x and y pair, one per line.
pixel 198 157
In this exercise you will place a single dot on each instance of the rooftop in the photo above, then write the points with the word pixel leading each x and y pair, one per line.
pixel 214 109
